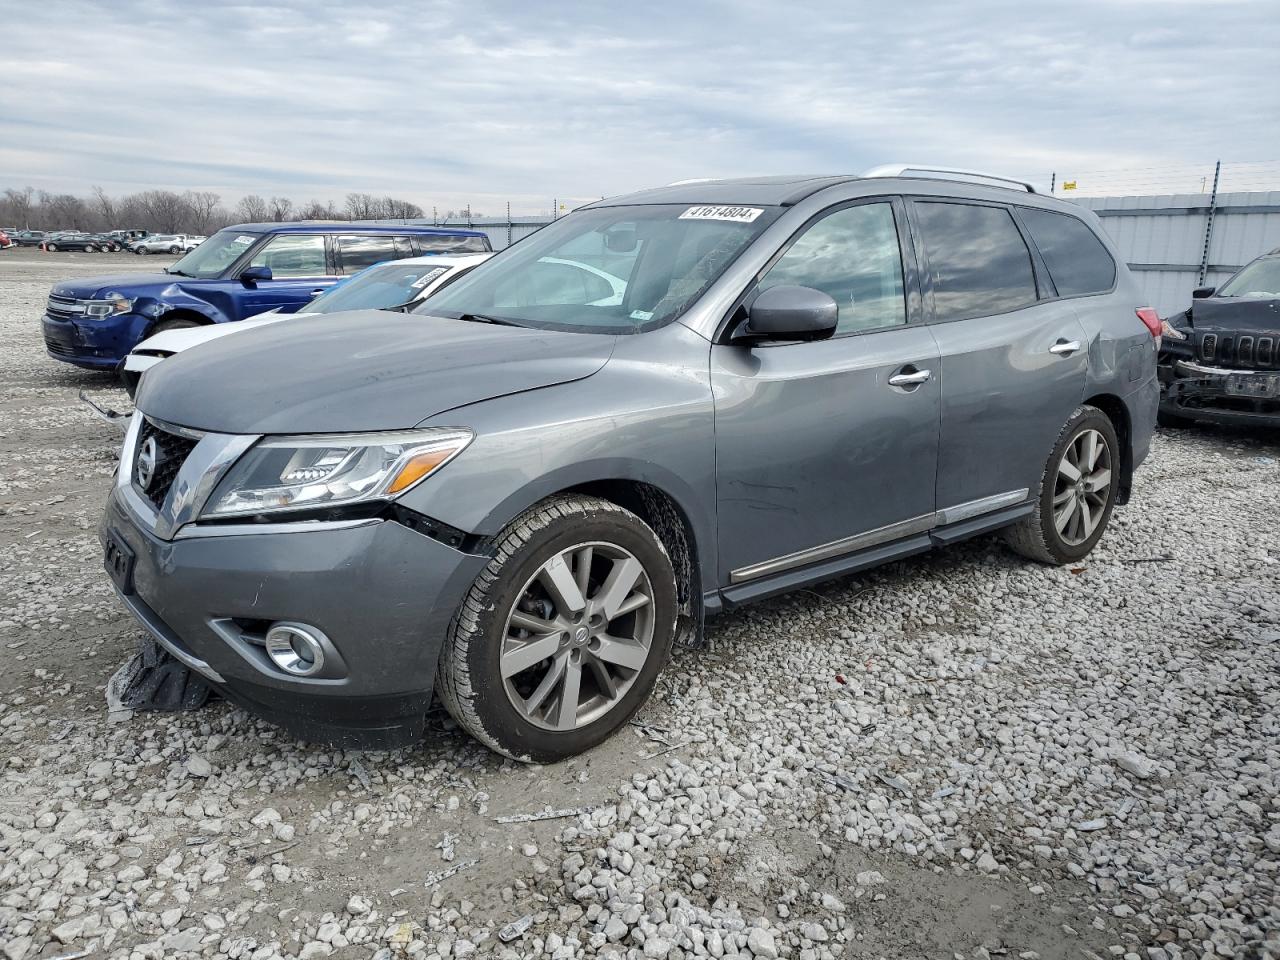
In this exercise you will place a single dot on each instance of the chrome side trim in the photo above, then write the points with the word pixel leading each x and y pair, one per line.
pixel 144 615
pixel 974 508
pixel 836 548
pixel 199 531
pixel 885 534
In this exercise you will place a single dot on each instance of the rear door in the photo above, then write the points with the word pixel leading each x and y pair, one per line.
pixel 299 271
pixel 1014 359
pixel 355 252
pixel 820 453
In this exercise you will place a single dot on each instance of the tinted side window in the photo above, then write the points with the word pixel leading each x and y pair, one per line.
pixel 291 255
pixel 1076 258
pixel 360 252
pixel 852 255
pixel 979 262
pixel 447 244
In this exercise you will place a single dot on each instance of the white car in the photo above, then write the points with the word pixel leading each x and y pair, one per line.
pixel 393 285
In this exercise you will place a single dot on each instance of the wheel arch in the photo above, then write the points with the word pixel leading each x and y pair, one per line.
pixel 179 313
pixel 1118 414
pixel 662 499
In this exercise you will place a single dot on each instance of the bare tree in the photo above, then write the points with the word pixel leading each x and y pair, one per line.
pixel 252 209
pixel 315 210
pixel 204 210
pixel 166 210
pixel 63 211
pixel 18 205
pixel 281 208
pixel 105 209
pixel 392 208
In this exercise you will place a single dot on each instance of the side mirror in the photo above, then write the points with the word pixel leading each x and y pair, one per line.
pixel 249 276
pixel 790 313
pixel 1202 293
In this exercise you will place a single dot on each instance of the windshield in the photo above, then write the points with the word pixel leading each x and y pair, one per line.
pixel 213 256
pixel 608 270
pixel 1260 279
pixel 379 287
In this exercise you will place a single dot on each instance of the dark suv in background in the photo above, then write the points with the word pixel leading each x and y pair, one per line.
pixel 1220 361
pixel 656 407
pixel 241 271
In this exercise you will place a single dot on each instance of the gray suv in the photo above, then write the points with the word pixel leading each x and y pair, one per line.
pixel 658 407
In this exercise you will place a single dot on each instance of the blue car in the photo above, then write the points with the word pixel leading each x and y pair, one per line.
pixel 241 271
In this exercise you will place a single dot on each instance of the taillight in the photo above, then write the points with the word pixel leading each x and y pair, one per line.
pixel 1150 319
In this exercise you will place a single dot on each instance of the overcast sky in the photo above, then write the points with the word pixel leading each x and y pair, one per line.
pixel 444 103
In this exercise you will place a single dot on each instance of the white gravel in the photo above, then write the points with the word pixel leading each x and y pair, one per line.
pixel 965 755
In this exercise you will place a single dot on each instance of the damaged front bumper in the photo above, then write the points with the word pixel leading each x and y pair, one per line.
pixel 1210 394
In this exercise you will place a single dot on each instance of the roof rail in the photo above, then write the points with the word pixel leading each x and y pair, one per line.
pixel 949 173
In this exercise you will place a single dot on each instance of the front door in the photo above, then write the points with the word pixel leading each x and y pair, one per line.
pixel 1014 357
pixel 827 448
pixel 299 270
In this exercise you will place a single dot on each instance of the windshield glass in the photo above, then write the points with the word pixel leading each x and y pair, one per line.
pixel 213 256
pixel 608 270
pixel 1260 279
pixel 378 287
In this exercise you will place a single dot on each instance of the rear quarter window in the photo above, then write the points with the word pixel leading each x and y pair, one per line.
pixel 1078 262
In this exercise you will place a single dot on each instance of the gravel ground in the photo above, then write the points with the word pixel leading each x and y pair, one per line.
pixel 964 755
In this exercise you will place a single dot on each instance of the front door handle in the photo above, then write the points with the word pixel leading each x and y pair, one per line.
pixel 1065 348
pixel 317 291
pixel 913 379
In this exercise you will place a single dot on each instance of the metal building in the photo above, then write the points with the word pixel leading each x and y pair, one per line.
pixel 1177 243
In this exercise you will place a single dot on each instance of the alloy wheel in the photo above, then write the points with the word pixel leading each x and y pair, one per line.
pixel 577 636
pixel 1083 487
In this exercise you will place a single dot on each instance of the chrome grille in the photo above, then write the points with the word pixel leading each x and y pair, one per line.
pixel 64 307
pixel 171 452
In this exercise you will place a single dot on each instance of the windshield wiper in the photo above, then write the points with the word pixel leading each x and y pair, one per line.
pixel 482 318
pixel 176 273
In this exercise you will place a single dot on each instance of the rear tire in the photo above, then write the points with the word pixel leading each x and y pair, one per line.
pixel 1077 492
pixel 175 249
pixel 588 584
pixel 51 247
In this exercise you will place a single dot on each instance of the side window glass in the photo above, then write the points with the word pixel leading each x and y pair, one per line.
pixel 360 252
pixel 1077 260
pixel 979 262
pixel 853 255
pixel 291 255
pixel 443 243
pixel 404 247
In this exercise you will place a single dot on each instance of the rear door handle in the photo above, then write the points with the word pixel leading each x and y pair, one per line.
pixel 913 379
pixel 1064 348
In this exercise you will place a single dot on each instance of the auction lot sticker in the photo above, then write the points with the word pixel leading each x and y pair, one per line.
pixel 736 214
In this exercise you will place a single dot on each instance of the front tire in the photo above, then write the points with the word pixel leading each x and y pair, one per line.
pixel 51 247
pixel 1077 492
pixel 562 636
pixel 166 325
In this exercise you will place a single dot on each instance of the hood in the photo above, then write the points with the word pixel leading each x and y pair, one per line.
pixel 175 341
pixel 363 370
pixel 87 288
pixel 1243 315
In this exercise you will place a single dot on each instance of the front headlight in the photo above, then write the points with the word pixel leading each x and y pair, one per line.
pixel 297 473
pixel 111 303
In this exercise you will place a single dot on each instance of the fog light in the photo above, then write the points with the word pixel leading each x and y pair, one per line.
pixel 295 648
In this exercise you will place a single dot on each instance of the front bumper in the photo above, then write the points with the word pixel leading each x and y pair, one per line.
pixel 98 344
pixel 1197 391
pixel 381 593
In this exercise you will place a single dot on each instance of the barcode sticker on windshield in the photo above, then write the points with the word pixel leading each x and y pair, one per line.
pixel 245 240
pixel 736 214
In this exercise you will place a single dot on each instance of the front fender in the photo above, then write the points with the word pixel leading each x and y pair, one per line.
pixel 645 417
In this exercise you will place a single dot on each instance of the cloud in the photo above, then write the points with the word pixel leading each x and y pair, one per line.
pixel 447 103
